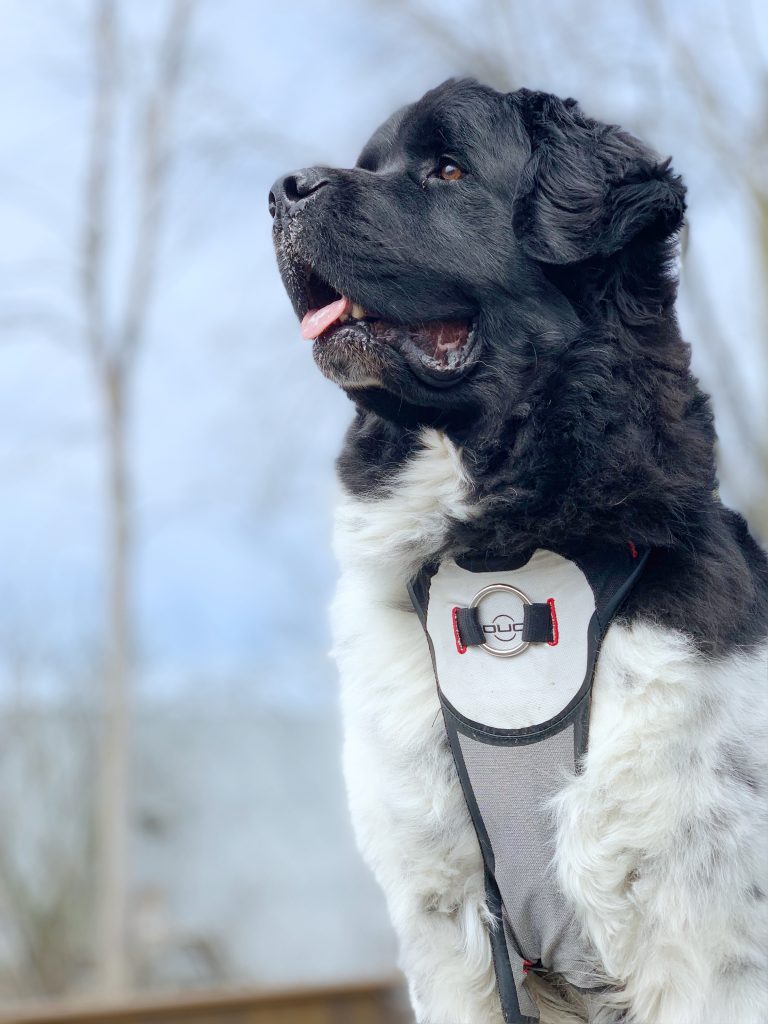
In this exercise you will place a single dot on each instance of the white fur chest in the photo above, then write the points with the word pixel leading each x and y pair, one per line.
pixel 397 762
pixel 406 803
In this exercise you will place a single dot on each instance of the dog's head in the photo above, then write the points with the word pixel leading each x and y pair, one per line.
pixel 429 273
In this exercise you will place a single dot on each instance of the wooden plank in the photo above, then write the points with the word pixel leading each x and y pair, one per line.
pixel 374 1003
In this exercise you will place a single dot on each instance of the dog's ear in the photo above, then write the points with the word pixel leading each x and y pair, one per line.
pixel 588 188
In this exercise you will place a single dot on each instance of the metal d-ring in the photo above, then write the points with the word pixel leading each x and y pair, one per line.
pixel 524 644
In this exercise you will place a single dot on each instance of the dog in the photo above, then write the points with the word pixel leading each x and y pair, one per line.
pixel 493 286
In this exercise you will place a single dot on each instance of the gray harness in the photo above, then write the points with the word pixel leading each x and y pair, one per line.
pixel 514 647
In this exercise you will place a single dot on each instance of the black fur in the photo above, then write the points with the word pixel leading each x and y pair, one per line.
pixel 578 415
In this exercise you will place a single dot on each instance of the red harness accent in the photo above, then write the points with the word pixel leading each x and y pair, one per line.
pixel 555 630
pixel 460 647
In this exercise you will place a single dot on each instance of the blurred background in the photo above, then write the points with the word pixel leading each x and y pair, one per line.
pixel 174 837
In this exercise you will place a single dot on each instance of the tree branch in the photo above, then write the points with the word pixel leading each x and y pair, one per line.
pixel 94 240
pixel 725 366
pixel 155 165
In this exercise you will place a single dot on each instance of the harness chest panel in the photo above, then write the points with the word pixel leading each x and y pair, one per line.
pixel 514 649
pixel 496 691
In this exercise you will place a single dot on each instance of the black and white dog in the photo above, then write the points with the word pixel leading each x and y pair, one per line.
pixel 493 287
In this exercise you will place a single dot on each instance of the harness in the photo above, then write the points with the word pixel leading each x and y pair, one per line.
pixel 514 647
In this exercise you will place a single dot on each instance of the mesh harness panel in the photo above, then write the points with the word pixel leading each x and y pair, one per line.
pixel 516 713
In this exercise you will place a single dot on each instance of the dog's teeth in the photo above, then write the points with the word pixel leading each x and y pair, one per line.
pixel 357 312
pixel 343 318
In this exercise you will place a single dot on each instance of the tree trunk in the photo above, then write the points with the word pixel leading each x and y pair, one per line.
pixel 114 782
pixel 759 510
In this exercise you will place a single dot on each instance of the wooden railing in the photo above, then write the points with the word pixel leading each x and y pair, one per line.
pixel 359 1004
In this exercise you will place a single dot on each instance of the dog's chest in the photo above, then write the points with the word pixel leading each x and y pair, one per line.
pixel 409 811
pixel 406 802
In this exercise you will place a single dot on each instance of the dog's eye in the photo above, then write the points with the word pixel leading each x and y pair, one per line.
pixel 447 170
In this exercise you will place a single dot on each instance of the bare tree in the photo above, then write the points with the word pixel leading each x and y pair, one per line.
pixel 113 345
pixel 112 331
pixel 736 136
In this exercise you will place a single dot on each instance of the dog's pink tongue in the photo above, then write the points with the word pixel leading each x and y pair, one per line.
pixel 318 320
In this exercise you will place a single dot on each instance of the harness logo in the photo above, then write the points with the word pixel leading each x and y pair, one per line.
pixel 503 628
pixel 503 634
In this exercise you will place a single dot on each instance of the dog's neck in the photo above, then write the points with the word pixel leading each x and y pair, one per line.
pixel 614 442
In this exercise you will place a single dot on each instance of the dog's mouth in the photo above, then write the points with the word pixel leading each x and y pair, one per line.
pixel 438 350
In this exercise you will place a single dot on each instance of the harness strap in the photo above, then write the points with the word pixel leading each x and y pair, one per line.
pixel 539 625
pixel 508 768
pixel 470 632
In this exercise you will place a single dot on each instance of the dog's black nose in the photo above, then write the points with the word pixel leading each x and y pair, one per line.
pixel 292 189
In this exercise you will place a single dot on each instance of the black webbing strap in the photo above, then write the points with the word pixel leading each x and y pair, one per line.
pixel 468 625
pixel 537 625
